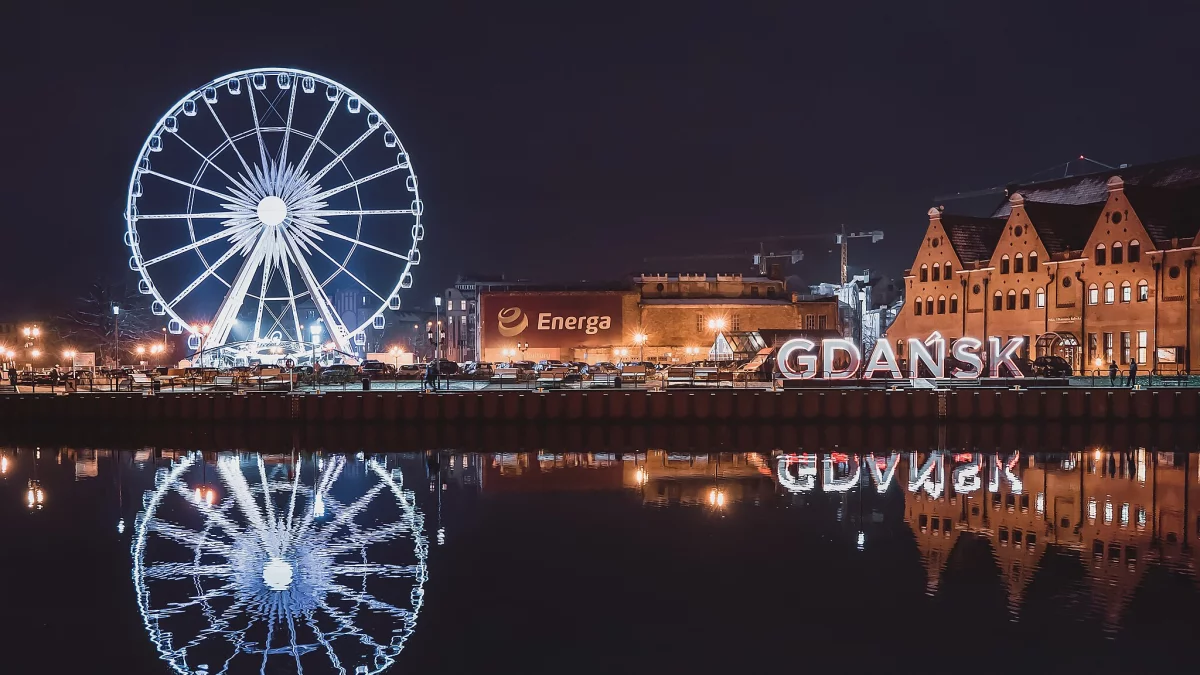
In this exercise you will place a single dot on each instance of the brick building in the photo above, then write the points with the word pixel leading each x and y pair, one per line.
pixel 1099 269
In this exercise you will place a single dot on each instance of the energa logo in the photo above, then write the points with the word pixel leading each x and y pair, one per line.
pixel 511 321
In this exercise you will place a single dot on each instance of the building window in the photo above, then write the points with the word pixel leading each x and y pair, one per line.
pixel 1142 344
pixel 1041 298
pixel 1033 266
pixel 1125 345
pixel 699 322
pixel 1019 264
pixel 941 304
pixel 462 305
pixel 1110 293
pixel 997 301
pixel 929 305
pixel 1092 343
pixel 1093 294
pixel 937 270
pixel 954 304
pixel 946 269
pixel 1004 264
pixel 1012 299
pixel 1108 347
pixel 463 321
pixel 1126 291
pixel 924 272
pixel 1118 253
pixel 810 320
pixel 735 323
pixel 1135 251
pixel 1025 298
pixel 822 322
pixel 917 306
pixel 1143 289
pixel 1101 257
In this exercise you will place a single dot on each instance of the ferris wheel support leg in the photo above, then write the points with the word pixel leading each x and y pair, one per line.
pixel 227 313
pixel 333 323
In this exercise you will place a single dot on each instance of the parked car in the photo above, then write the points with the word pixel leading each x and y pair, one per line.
pixel 410 371
pixel 1052 366
pixel 339 373
pixel 481 369
pixel 377 369
pixel 447 367
pixel 546 364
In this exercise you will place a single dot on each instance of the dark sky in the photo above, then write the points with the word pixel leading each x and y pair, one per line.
pixel 569 140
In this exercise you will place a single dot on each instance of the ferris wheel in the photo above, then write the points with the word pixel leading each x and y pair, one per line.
pixel 263 571
pixel 273 207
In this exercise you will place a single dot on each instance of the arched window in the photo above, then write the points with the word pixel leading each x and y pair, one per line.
pixel 954 304
pixel 1135 251
pixel 1126 291
pixel 1012 299
pixel 929 305
pixel 1004 264
pixel 947 269
pixel 1093 294
pixel 937 272
pixel 1110 293
pixel 997 301
pixel 1019 264
pixel 1024 298
pixel 1118 253
pixel 941 304
pixel 1143 287
pixel 1101 257
pixel 1033 266
pixel 917 306
pixel 924 272
pixel 1041 298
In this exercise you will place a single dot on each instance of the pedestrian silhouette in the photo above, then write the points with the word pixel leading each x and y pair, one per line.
pixel 1112 374
pixel 1132 372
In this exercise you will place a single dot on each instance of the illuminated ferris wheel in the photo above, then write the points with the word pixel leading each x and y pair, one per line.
pixel 263 571
pixel 260 196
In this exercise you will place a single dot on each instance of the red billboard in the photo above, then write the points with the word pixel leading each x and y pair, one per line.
pixel 551 320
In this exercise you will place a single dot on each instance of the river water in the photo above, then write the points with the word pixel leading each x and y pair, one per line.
pixel 165 560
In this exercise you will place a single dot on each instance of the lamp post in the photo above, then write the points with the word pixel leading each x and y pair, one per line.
pixel 116 310
pixel 437 315
pixel 523 347
pixel 639 339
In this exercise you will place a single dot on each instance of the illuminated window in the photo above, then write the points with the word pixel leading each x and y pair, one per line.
pixel 937 271
pixel 1125 347
pixel 699 322
pixel 1101 257
pixel 924 272
pixel 1033 260
pixel 1126 291
pixel 1135 251
pixel 1019 264
pixel 1004 264
pixel 462 305
pixel 997 301
pixel 929 305
pixel 941 306
pixel 1143 289
pixel 1025 298
pixel 735 322
pixel 1041 298
pixel 954 304
pixel 1108 347
pixel 1118 253
pixel 1110 293
pixel 1012 299
pixel 1142 337
pixel 1093 294
pixel 946 269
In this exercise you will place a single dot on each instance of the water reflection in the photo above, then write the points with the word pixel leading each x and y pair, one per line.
pixel 249 560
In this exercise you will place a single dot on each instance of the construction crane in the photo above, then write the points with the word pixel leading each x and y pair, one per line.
pixel 760 258
pixel 842 238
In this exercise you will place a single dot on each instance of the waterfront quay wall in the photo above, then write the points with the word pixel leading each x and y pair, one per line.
pixel 613 406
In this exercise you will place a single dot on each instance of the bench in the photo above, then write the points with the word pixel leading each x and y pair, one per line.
pixel 552 376
pixel 681 376
pixel 634 374
pixel 224 382
pixel 506 375
pixel 140 381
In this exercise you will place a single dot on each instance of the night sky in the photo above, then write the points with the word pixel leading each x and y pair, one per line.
pixel 568 141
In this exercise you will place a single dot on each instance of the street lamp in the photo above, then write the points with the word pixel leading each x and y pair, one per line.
pixel 716 324
pixel 70 354
pixel 639 339
pixel 523 347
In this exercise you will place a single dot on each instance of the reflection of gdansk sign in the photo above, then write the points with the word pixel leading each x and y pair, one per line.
pixel 840 359
pixel 841 473
pixel 511 321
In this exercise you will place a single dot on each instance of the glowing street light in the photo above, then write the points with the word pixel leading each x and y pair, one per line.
pixel 36 353
pixel 140 350
pixel 639 339
pixel 717 324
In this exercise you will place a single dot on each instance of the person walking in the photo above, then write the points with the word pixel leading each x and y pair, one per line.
pixel 429 375
pixel 12 375
pixel 1132 372
pixel 1112 374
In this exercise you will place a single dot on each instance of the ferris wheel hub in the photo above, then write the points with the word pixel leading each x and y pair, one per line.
pixel 277 574
pixel 272 210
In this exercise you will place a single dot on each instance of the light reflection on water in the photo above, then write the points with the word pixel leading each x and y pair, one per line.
pixel 319 562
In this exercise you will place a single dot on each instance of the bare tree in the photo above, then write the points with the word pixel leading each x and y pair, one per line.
pixel 91 324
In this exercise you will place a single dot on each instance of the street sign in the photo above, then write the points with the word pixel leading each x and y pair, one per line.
pixel 85 359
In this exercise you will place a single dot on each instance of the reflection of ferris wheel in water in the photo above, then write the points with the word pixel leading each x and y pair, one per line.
pixel 265 193
pixel 279 573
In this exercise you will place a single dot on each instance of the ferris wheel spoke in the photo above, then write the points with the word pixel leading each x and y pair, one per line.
pixel 355 183
pixel 232 475
pixel 333 322
pixel 262 147
pixel 186 570
pixel 350 274
pixel 287 129
pixel 317 136
pixel 209 215
pixel 357 242
pixel 218 516
pixel 194 245
pixel 295 489
pixel 228 138
pixel 381 570
pixel 208 272
pixel 378 535
pixel 287 282
pixel 342 155
pixel 262 298
pixel 220 195
pixel 364 598
pixel 206 159
pixel 322 213
pixel 266 490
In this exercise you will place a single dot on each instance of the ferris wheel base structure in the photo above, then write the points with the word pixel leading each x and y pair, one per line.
pixel 256 200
